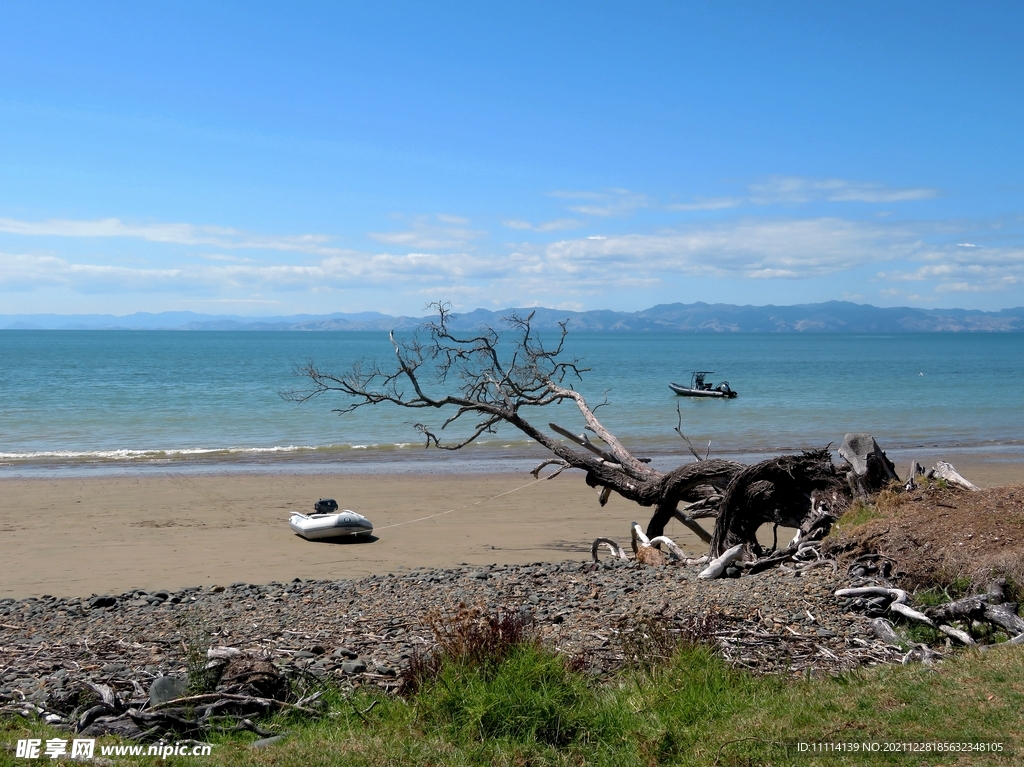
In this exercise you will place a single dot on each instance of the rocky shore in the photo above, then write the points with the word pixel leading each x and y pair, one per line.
pixel 366 630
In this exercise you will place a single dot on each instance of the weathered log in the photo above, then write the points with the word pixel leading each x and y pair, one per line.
pixel 961 609
pixel 961 636
pixel 895 595
pixel 882 629
pixel 943 470
pixel 870 468
pixel 718 565
pixel 910 613
pixel 786 491
pixel 688 482
pixel 1005 616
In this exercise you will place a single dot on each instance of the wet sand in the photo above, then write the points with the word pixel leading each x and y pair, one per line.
pixel 78 536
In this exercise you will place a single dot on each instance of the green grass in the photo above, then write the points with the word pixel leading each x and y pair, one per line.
pixel 858 514
pixel 948 592
pixel 531 708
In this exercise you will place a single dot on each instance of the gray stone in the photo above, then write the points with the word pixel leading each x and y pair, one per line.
pixel 386 670
pixel 357 666
pixel 104 601
pixel 271 741
pixel 165 688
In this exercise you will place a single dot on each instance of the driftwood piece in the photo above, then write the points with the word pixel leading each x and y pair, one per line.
pixel 943 470
pixel 961 636
pixel 882 629
pixel 913 472
pixel 962 609
pixel 870 468
pixel 106 695
pixel 895 595
pixel 718 565
pixel 910 613
pixel 921 653
pixel 1017 641
pixel 249 684
pixel 1005 616
pixel 646 550
pixel 614 548
pixel 668 543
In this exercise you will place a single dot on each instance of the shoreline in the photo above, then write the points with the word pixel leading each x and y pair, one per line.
pixel 408 459
pixel 76 535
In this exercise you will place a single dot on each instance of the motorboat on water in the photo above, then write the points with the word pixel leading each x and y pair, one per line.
pixel 700 388
pixel 328 522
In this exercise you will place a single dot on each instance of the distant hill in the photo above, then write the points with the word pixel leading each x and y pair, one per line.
pixel 829 317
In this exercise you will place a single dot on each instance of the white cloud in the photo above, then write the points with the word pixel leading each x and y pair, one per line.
pixel 26 271
pixel 446 219
pixel 711 203
pixel 427 235
pixel 794 189
pixel 965 270
pixel 607 203
pixel 749 248
pixel 546 226
pixel 443 255
pixel 168 233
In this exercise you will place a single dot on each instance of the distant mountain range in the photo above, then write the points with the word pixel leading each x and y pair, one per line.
pixel 829 317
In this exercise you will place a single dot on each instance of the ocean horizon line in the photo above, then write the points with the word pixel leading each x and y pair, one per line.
pixel 698 317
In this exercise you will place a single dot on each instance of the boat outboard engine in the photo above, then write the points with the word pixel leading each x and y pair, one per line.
pixel 325 506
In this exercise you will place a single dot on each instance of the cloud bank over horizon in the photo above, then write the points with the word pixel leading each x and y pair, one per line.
pixel 915 262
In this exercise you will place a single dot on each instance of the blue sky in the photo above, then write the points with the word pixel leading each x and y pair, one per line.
pixel 264 159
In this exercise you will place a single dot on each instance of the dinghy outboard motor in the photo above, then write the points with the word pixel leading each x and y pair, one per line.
pixel 325 506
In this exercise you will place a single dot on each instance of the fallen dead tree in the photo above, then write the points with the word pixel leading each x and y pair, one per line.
pixel 483 381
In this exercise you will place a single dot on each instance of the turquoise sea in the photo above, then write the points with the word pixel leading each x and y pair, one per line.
pixel 123 401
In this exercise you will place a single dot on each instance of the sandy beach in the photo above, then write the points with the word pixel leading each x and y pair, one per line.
pixel 78 536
